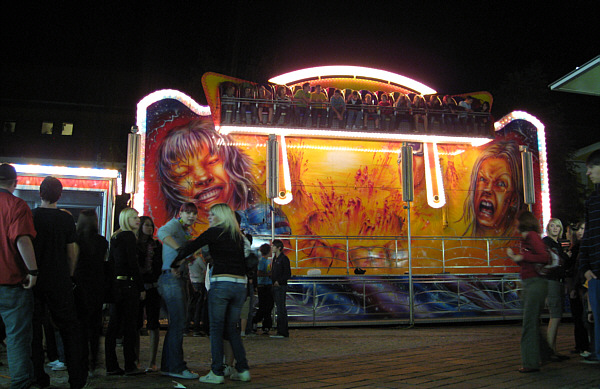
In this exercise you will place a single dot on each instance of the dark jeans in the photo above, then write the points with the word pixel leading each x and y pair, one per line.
pixel 88 302
pixel 265 306
pixel 61 304
pixel 279 295
pixel 534 347
pixel 301 116
pixel 123 316
pixel 582 342
pixel 151 304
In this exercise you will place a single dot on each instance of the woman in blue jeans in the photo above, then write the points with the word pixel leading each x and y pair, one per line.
pixel 227 289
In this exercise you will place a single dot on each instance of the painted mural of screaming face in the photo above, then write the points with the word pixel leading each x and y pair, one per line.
pixel 494 193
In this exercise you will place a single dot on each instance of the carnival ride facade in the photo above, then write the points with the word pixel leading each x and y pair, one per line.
pixel 432 240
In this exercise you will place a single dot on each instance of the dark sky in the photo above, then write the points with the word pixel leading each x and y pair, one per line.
pixel 86 54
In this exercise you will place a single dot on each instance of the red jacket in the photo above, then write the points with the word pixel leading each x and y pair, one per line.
pixel 534 251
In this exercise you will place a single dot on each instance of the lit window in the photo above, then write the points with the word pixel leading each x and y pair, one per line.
pixel 67 129
pixel 9 127
pixel 47 128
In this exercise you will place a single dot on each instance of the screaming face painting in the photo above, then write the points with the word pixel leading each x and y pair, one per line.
pixel 495 192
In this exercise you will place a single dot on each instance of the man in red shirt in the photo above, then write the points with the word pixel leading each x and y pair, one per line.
pixel 18 274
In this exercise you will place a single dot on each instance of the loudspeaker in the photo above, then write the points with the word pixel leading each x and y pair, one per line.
pixel 272 166
pixel 133 161
pixel 407 173
pixel 528 187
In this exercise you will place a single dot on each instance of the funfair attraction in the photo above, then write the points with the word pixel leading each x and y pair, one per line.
pixel 397 208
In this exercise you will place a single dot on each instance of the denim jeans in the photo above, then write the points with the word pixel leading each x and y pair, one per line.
pixel 279 295
pixel 225 300
pixel 594 294
pixel 16 308
pixel 171 290
pixel 265 306
pixel 354 118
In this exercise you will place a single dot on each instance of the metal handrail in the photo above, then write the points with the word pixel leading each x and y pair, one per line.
pixel 447 260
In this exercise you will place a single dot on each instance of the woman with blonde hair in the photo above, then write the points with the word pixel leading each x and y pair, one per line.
pixel 127 290
pixel 227 289
pixel 556 287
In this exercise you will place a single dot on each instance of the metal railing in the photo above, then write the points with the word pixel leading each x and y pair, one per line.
pixel 235 110
pixel 453 279
pixel 386 255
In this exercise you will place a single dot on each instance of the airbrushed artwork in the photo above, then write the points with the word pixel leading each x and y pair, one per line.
pixel 347 209
pixel 359 250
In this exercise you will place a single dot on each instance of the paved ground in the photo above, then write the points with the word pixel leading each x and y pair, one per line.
pixel 442 356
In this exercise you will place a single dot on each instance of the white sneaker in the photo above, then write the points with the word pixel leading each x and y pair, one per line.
pixel 241 376
pixel 228 370
pixel 585 354
pixel 212 378
pixel 59 366
pixel 51 364
pixel 186 375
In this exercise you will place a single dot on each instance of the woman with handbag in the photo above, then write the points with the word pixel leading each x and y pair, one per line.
pixel 532 255
pixel 556 286
pixel 128 289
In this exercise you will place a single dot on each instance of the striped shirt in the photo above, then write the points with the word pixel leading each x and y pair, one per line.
pixel 589 253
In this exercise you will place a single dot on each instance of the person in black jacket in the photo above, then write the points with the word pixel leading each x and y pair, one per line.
pixel 280 274
pixel 128 290
pixel 150 263
pixel 89 281
pixel 556 287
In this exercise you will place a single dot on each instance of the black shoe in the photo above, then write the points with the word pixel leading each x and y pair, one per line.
pixel 558 358
pixel 135 371
pixel 118 371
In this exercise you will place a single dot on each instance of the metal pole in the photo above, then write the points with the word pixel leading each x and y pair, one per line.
pixel 272 221
pixel 411 296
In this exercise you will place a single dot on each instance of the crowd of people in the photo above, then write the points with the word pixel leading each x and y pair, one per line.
pixel 61 274
pixel 549 273
pixel 317 107
pixel 53 268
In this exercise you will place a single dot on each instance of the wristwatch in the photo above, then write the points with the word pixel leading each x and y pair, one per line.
pixel 34 272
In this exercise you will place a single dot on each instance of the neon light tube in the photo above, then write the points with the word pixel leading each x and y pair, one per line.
pixel 307 132
pixel 541 137
pixel 287 180
pixel 436 198
pixel 66 171
pixel 352 71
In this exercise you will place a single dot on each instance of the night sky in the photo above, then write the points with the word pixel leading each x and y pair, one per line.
pixel 116 55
